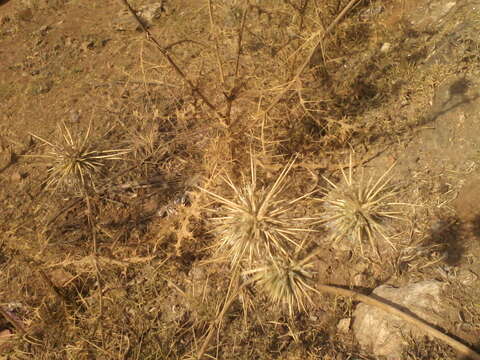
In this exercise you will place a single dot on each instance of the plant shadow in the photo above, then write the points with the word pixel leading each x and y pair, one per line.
pixel 475 226
pixel 447 237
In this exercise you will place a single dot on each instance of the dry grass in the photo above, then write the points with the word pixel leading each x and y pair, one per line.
pixel 425 349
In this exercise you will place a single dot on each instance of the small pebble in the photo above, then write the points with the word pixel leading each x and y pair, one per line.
pixel 386 47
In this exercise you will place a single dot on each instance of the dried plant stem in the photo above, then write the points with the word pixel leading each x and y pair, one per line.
pixel 93 230
pixel 226 305
pixel 217 47
pixel 240 38
pixel 172 63
pixel 91 223
pixel 420 324
pixel 232 95
pixel 302 67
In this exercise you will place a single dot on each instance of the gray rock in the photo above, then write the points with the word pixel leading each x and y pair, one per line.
pixel 383 334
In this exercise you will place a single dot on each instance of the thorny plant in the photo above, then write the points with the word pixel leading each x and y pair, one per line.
pixel 285 281
pixel 358 211
pixel 74 161
pixel 145 142
pixel 256 223
pixel 257 212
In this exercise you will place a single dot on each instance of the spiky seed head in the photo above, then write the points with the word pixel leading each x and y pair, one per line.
pixel 255 224
pixel 73 161
pixel 360 211
pixel 285 281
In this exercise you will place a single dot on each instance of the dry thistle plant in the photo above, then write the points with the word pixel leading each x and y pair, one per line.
pixel 256 223
pixel 145 141
pixel 285 281
pixel 144 137
pixel 73 161
pixel 357 211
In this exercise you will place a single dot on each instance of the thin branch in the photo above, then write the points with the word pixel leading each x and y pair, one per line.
pixel 309 57
pixel 217 47
pixel 230 298
pixel 240 38
pixel 232 95
pixel 172 63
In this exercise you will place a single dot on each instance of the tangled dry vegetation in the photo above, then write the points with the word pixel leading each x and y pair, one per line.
pixel 223 197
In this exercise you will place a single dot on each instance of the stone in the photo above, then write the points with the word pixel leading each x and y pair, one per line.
pixel 383 334
pixel 386 47
pixel 44 30
pixel 149 13
pixel 466 277
pixel 75 116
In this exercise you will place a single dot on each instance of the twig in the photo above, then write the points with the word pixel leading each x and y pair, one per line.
pixel 91 223
pixel 240 38
pixel 210 333
pixel 309 57
pixel 217 47
pixel 228 302
pixel 125 82
pixel 93 227
pixel 232 95
pixel 170 60
pixel 422 325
